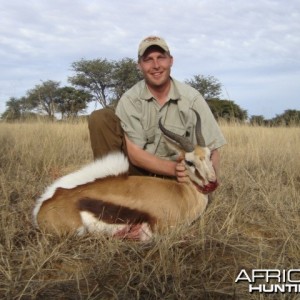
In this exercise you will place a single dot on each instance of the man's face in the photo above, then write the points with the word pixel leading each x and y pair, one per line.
pixel 156 65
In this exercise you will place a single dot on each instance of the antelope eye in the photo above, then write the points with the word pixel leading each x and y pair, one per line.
pixel 189 163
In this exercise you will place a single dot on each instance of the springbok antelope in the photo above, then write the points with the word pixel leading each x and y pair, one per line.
pixel 101 198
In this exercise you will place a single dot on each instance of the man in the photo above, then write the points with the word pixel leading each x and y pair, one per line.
pixel 140 108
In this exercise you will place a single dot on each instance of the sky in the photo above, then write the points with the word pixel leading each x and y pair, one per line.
pixel 251 47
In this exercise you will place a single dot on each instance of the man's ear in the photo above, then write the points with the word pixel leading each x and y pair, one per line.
pixel 172 60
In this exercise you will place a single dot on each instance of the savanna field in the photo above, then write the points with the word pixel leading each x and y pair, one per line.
pixel 252 222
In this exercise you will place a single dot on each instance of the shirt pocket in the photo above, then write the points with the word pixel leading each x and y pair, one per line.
pixel 149 136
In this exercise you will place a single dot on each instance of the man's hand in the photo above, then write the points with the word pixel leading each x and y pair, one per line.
pixel 181 175
pixel 180 172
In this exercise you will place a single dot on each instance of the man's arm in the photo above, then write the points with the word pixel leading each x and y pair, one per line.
pixel 215 158
pixel 156 165
pixel 153 163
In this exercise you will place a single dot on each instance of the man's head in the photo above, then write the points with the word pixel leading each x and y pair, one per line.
pixel 151 41
pixel 155 62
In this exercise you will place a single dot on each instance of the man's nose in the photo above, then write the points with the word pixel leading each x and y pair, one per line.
pixel 155 64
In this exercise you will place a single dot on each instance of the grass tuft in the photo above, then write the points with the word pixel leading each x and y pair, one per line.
pixel 253 221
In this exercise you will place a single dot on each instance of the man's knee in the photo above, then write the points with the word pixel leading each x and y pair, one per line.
pixel 106 134
pixel 101 117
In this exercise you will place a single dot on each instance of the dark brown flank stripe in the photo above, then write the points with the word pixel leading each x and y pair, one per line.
pixel 114 214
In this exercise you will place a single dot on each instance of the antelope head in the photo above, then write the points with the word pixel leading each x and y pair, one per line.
pixel 197 158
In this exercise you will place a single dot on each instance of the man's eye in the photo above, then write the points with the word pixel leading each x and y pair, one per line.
pixel 189 163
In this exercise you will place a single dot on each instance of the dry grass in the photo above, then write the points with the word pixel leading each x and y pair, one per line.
pixel 252 222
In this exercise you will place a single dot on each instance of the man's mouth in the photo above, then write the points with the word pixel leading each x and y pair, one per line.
pixel 156 74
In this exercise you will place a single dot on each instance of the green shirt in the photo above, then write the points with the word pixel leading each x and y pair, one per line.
pixel 139 113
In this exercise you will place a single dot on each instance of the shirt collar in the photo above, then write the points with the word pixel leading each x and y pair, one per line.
pixel 173 93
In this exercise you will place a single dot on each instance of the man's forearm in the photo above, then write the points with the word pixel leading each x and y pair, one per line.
pixel 215 158
pixel 142 159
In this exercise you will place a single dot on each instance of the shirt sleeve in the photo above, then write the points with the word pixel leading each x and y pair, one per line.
pixel 129 112
pixel 211 131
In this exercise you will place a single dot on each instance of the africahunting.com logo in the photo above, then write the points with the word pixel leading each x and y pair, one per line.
pixel 269 281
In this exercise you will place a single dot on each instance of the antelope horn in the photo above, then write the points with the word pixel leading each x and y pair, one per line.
pixel 186 145
pixel 199 136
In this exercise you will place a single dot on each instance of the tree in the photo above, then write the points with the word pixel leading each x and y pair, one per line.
pixel 257 120
pixel 43 97
pixel 208 86
pixel 95 77
pixel 227 109
pixel 211 89
pixel 13 109
pixel 289 117
pixel 71 101
pixel 125 75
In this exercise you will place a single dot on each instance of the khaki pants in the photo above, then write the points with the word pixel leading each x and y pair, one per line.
pixel 107 135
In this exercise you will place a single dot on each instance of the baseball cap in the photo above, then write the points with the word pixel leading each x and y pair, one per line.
pixel 152 41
